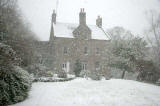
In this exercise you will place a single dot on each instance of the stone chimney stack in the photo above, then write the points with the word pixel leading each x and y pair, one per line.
pixel 82 31
pixel 54 17
pixel 99 22
pixel 82 17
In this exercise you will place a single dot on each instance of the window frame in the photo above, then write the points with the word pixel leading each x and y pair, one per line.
pixel 97 65
pixel 86 50
pixel 97 51
pixel 84 66
pixel 64 65
pixel 65 50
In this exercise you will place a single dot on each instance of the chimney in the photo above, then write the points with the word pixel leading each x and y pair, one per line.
pixel 54 17
pixel 82 17
pixel 99 22
pixel 52 32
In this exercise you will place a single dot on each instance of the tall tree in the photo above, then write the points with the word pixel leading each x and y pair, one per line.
pixel 124 47
pixel 153 35
pixel 14 31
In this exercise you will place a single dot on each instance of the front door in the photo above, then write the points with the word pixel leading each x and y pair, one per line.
pixel 66 66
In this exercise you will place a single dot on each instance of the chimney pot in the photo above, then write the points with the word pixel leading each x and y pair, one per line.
pixel 99 22
pixel 54 15
pixel 82 17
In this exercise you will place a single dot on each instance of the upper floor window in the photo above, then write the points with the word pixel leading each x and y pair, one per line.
pixel 97 51
pixel 85 50
pixel 97 65
pixel 65 51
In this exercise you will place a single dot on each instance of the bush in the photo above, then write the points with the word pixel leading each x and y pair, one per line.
pixel 39 70
pixel 148 72
pixel 77 68
pixel 85 73
pixel 14 85
pixel 62 74
pixel 95 76
pixel 14 81
pixel 49 74
pixel 158 82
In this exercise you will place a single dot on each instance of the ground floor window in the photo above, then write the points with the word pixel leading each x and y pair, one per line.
pixel 64 66
pixel 85 50
pixel 84 66
pixel 65 51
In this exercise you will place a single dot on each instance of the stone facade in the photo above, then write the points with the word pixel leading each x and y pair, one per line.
pixel 62 52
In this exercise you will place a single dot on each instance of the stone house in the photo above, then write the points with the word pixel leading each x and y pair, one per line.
pixel 69 42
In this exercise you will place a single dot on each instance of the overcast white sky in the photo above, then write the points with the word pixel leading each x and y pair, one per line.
pixel 127 13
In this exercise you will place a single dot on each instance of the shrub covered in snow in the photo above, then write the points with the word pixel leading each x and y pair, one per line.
pixel 77 68
pixel 14 81
pixel 62 74
pixel 95 76
pixel 39 70
pixel 158 82
pixel 51 79
pixel 8 56
pixel 84 73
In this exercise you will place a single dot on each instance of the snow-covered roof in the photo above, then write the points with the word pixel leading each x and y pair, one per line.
pixel 66 29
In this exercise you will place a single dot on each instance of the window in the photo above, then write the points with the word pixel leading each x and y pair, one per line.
pixel 65 50
pixel 64 65
pixel 97 51
pixel 85 50
pixel 97 65
pixel 84 66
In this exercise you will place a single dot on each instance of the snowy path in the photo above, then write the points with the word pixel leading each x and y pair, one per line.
pixel 81 92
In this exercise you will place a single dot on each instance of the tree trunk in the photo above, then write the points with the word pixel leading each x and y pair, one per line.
pixel 123 74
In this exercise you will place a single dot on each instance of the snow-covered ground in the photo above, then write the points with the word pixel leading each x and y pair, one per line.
pixel 82 92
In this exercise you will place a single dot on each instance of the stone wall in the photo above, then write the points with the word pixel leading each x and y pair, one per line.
pixel 76 50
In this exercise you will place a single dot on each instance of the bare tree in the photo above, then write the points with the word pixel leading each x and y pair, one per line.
pixel 14 31
pixel 153 34
pixel 5 3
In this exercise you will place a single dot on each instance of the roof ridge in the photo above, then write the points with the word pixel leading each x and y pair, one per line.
pixel 75 23
pixel 63 29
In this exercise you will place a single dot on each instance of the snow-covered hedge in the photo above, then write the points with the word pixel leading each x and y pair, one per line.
pixel 158 82
pixel 55 78
pixel 14 85
pixel 49 79
pixel 14 81
pixel 62 74
pixel 94 75
pixel 39 70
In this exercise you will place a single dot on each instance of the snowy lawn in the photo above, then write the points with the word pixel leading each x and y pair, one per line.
pixel 82 92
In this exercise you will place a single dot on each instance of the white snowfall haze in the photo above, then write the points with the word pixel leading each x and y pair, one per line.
pixel 129 14
pixel 82 92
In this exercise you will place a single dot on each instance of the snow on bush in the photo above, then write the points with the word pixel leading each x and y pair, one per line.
pixel 14 81
pixel 158 82
pixel 39 70
pixel 62 74
pixel 94 75
pixel 14 85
